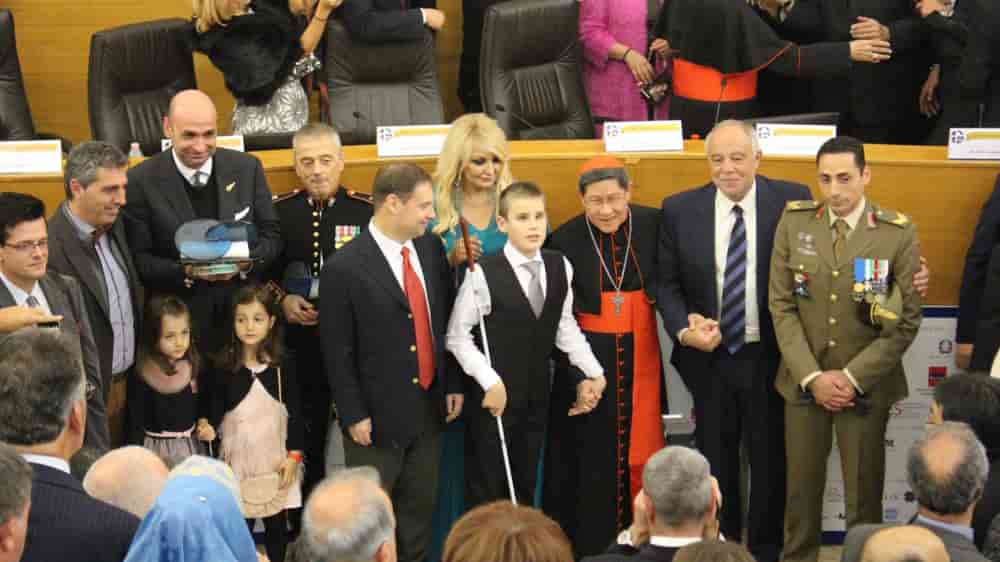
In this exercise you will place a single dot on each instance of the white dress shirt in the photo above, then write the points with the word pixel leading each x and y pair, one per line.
pixel 21 297
pixel 393 252
pixel 851 219
pixel 465 316
pixel 725 218
pixel 188 173
pixel 45 460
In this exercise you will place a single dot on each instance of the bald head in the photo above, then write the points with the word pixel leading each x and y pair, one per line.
pixel 349 517
pixel 907 543
pixel 947 469
pixel 128 478
pixel 190 124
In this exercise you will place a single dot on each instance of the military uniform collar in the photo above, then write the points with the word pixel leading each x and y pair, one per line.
pixel 853 217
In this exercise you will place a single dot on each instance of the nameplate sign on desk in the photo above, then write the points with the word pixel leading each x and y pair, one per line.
pixel 643 136
pixel 31 157
pixel 793 140
pixel 232 142
pixel 410 140
pixel 974 144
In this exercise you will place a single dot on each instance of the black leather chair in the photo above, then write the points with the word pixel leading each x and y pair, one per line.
pixel 828 118
pixel 380 85
pixel 529 74
pixel 134 71
pixel 15 115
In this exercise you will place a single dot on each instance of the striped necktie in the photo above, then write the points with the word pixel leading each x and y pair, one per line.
pixel 733 309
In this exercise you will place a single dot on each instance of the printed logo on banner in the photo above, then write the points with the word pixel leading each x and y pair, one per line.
pixel 945 347
pixel 936 374
pixel 890 443
pixel 891 515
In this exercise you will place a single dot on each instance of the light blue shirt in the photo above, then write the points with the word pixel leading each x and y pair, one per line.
pixel 962 530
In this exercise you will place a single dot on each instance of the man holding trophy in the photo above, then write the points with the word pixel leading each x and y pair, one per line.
pixel 845 310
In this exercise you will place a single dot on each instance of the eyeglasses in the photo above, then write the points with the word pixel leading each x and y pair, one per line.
pixel 28 246
pixel 598 202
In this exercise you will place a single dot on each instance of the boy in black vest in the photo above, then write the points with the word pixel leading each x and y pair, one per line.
pixel 525 299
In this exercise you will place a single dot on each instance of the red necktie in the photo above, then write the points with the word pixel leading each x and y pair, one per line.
pixel 421 321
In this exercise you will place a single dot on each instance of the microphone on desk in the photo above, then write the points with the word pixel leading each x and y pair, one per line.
pixel 525 122
pixel 718 104
pixel 982 114
pixel 358 116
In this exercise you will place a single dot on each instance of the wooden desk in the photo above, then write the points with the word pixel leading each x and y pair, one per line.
pixel 942 197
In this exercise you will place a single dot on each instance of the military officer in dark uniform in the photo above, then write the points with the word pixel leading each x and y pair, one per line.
pixel 845 310
pixel 318 220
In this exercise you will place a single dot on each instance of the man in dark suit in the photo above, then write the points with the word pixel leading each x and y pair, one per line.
pixel 43 415
pixel 677 506
pixel 971 297
pixel 15 503
pixel 387 297
pixel 383 21
pixel 87 241
pixel 26 282
pixel 195 180
pixel 946 470
pixel 707 248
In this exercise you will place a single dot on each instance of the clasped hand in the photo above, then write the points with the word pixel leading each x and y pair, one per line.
pixel 702 333
pixel 588 395
pixel 833 390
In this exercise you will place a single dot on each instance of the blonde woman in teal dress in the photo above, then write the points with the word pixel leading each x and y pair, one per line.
pixel 474 167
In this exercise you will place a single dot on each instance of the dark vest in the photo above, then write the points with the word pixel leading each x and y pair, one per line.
pixel 204 201
pixel 520 344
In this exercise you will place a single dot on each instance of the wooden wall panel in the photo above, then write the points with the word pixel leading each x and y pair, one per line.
pixel 53 38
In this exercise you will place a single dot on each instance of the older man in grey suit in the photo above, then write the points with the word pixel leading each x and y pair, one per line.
pixel 946 470
pixel 26 283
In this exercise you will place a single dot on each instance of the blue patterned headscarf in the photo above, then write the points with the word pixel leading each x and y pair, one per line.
pixel 195 518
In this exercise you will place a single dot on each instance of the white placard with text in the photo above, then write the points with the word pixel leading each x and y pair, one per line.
pixel 31 157
pixel 974 144
pixel 410 140
pixel 232 142
pixel 643 136
pixel 793 140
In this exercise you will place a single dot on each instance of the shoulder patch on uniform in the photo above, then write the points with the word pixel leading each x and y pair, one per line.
pixel 360 196
pixel 285 196
pixel 891 217
pixel 805 205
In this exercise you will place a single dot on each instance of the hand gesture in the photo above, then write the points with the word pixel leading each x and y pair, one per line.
pixel 288 471
pixel 640 68
pixel 435 18
pixel 870 50
pixel 13 318
pixel 588 395
pixel 361 432
pixel 963 355
pixel 922 278
pixel 458 255
pixel 205 431
pixel 929 104
pixel 703 333
pixel 661 47
pixel 868 28
pixel 832 390
pixel 496 399
pixel 453 404
pixel 298 310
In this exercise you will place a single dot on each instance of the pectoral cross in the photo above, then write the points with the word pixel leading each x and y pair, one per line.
pixel 618 301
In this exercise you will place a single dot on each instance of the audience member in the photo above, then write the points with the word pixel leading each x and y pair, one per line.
pixel 26 281
pixel 677 506
pixel 714 551
pixel 942 96
pixel 841 368
pixel 195 518
pixel 387 297
pixel 384 21
pixel 264 49
pixel 701 280
pixel 877 103
pixel 978 318
pixel 615 64
pixel 979 73
pixel 946 469
pixel 905 543
pixel 88 242
pixel 722 45
pixel 128 478
pixel 316 221
pixel 80 463
pixel 348 517
pixel 503 532
pixel 194 180
pixel 587 488
pixel 974 399
pixel 15 503
pixel 43 414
